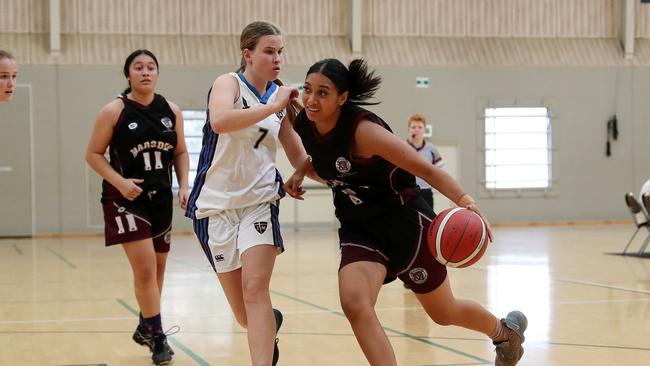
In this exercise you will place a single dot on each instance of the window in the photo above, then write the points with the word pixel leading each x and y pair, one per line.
pixel 517 148
pixel 193 123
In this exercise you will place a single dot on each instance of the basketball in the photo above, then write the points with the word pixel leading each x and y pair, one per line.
pixel 457 237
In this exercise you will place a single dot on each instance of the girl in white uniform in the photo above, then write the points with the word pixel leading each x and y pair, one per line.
pixel 235 199
pixel 8 72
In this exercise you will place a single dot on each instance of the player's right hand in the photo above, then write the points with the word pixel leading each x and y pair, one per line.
pixel 284 95
pixel 130 189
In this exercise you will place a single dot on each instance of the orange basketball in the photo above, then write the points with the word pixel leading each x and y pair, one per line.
pixel 457 237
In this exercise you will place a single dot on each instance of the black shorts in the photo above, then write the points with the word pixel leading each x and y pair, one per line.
pixel 427 194
pixel 398 240
pixel 148 216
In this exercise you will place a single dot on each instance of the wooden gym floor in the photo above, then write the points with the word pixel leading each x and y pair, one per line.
pixel 69 301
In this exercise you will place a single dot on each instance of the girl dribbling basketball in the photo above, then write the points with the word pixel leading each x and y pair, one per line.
pixel 383 217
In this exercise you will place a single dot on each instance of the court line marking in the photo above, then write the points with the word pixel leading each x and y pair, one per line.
pixel 321 334
pixel 459 364
pixel 418 339
pixel 603 285
pixel 173 340
pixel 582 282
pixel 62 258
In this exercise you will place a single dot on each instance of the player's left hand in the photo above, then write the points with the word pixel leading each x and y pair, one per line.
pixel 183 196
pixel 473 207
pixel 293 186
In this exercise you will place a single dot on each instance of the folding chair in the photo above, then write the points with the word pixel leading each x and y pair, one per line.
pixel 640 218
pixel 646 204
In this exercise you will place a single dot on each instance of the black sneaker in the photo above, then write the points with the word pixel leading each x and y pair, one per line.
pixel 161 354
pixel 278 324
pixel 142 336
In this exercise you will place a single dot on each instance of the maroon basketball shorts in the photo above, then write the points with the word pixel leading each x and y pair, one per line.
pixel 398 240
pixel 148 216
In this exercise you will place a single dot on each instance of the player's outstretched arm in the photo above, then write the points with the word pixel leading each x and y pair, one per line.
pixel 374 140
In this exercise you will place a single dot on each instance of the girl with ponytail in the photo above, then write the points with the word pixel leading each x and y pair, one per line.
pixel 143 132
pixel 235 199
pixel 383 215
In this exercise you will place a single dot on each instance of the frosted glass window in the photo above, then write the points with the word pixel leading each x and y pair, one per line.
pixel 517 148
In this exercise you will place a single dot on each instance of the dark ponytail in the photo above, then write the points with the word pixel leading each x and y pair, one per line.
pixel 360 84
pixel 293 108
pixel 129 61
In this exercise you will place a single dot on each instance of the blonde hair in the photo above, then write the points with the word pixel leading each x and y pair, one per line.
pixel 251 34
pixel 417 118
pixel 4 54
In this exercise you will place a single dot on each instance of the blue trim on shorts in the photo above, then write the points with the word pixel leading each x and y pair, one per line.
pixel 275 223
pixel 209 146
pixel 201 231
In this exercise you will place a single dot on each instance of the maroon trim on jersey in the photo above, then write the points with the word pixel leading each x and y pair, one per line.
pixel 424 143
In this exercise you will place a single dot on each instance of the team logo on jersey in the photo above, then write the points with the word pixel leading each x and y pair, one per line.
pixel 280 115
pixel 418 275
pixel 133 125
pixel 167 122
pixel 343 165
pixel 219 258
pixel 260 226
pixel 168 237
pixel 121 209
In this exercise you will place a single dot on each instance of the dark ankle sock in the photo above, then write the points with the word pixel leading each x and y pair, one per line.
pixel 141 319
pixel 154 324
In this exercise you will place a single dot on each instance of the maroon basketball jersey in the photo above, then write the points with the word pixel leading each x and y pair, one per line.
pixel 362 187
pixel 143 144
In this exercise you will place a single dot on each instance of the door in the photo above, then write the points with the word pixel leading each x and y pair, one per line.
pixel 16 210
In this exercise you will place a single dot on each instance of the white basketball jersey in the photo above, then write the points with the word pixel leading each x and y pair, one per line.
pixel 237 169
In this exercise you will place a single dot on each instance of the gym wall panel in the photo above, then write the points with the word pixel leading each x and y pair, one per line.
pixel 19 45
pixel 14 16
pixel 534 18
pixel 40 50
pixel 489 18
pixel 588 18
pixel 109 49
pixel 642 20
pixel 367 26
pixel 69 16
pixel 205 17
pixel 39 21
pixel 395 18
pixel 445 18
pixel 447 51
pixel 395 51
pixel 104 17
pixel 305 50
pixel 39 16
pixel 339 17
pixel 211 50
pixel 155 16
pixel 304 17
pixel 168 49
pixel 246 11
